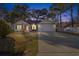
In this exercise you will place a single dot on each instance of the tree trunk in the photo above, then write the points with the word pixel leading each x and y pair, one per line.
pixel 78 15
pixel 60 22
pixel 72 22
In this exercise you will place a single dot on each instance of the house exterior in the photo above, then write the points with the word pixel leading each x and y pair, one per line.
pixel 46 26
pixel 43 26
pixel 21 26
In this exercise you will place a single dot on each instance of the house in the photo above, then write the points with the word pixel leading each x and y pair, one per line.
pixel 34 25
pixel 21 26
pixel 24 26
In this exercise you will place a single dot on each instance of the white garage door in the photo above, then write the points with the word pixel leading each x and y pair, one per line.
pixel 46 27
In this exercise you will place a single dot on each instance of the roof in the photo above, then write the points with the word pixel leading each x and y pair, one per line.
pixel 48 20
pixel 21 22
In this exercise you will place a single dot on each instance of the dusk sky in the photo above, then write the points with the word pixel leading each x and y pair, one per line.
pixel 65 16
pixel 31 5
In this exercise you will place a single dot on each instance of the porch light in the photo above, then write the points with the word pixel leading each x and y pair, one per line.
pixel 33 27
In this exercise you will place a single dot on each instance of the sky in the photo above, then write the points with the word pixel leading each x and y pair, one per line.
pixel 31 5
pixel 10 6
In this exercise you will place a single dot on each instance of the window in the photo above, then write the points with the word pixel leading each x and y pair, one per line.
pixel 27 28
pixel 19 27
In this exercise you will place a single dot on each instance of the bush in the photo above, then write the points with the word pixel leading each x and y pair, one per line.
pixel 4 28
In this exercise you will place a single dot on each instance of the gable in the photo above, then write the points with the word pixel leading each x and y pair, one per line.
pixel 21 22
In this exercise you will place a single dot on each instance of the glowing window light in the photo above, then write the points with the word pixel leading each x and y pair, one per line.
pixel 33 27
pixel 27 28
pixel 19 27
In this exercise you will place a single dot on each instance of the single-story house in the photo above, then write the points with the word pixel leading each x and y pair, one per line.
pixel 22 26
pixel 43 26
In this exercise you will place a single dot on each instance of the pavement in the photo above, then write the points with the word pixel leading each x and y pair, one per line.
pixel 57 44
pixel 71 33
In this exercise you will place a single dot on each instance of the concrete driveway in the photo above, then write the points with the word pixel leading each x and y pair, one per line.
pixel 57 44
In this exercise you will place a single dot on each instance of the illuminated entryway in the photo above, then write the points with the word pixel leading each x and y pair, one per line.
pixel 34 27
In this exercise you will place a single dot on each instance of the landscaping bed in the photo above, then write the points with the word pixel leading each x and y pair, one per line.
pixel 25 44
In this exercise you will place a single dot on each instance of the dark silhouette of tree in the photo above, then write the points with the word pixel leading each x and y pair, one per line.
pixel 4 28
pixel 3 11
pixel 55 10
pixel 72 21
pixel 44 11
pixel 19 12
pixel 59 8
pixel 6 43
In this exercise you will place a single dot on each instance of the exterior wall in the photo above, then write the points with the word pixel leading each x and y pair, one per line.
pixel 23 24
pixel 46 27
pixel 24 27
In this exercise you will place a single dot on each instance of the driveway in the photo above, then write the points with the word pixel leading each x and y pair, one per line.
pixel 53 43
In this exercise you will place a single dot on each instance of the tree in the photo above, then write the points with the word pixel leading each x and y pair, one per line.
pixel 3 11
pixel 58 9
pixel 44 11
pixel 72 21
pixel 4 28
pixel 78 13
pixel 19 12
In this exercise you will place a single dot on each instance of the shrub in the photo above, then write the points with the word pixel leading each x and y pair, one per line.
pixel 4 28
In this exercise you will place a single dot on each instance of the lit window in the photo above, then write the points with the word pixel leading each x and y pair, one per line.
pixel 19 27
pixel 27 28
pixel 33 27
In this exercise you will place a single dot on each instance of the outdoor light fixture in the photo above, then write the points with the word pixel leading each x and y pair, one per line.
pixel 33 27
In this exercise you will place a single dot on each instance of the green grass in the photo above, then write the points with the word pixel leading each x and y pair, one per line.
pixel 26 42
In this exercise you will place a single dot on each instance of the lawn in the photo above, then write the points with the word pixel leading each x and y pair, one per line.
pixel 25 43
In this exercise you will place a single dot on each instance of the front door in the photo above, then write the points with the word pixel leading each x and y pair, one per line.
pixel 34 27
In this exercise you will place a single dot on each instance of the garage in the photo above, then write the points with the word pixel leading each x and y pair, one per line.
pixel 46 27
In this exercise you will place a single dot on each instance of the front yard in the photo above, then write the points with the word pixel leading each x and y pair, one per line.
pixel 25 43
